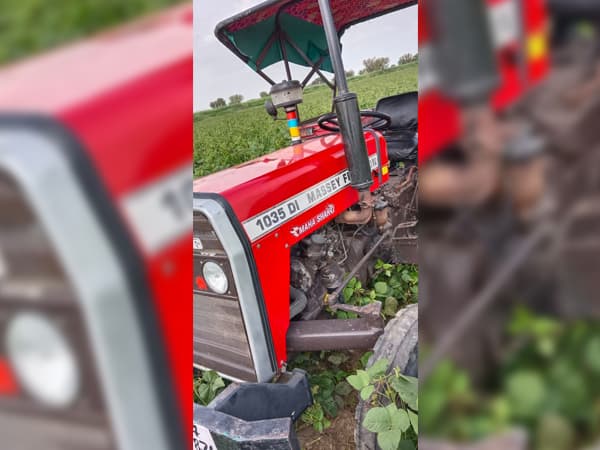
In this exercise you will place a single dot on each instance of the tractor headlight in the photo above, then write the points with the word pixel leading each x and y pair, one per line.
pixel 43 360
pixel 215 277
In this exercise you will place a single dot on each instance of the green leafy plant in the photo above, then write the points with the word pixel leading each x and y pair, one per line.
pixel 207 386
pixel 356 295
pixel 393 398
pixel 30 26
pixel 394 285
pixel 330 390
pixel 315 416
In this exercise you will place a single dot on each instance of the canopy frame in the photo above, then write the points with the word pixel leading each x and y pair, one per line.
pixel 280 36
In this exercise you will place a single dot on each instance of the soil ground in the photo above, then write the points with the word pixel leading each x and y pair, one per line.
pixel 339 436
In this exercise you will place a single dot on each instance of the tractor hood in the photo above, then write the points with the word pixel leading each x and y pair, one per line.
pixel 257 34
pixel 258 185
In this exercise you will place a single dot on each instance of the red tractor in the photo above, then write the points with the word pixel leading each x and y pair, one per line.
pixel 278 238
pixel 95 227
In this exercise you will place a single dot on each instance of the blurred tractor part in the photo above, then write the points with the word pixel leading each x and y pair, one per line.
pixel 524 234
pixel 578 255
pixel 511 440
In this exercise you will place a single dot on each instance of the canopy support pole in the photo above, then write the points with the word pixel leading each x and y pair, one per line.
pixel 288 71
pixel 333 42
pixel 266 48
pixel 265 77
pixel 315 66
pixel 314 69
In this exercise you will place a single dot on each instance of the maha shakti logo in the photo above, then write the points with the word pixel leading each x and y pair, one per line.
pixel 327 212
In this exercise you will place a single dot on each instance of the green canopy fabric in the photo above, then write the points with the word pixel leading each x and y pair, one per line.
pixel 252 40
pixel 276 29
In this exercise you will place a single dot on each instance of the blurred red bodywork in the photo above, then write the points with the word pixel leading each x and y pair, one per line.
pixel 440 124
pixel 8 384
pixel 126 95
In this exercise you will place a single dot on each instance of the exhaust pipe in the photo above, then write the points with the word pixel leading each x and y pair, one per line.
pixel 346 108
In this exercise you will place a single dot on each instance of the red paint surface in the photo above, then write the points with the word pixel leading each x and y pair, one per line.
pixel 8 384
pixel 439 124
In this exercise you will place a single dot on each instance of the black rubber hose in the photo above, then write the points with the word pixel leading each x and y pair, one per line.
pixel 298 301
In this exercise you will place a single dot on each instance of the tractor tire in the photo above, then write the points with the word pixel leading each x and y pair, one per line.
pixel 399 345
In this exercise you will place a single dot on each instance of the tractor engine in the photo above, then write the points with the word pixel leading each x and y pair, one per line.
pixel 320 262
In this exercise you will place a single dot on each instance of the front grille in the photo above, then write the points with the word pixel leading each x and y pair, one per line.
pixel 220 341
pixel 220 338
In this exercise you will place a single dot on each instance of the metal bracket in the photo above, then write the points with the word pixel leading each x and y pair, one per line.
pixel 371 310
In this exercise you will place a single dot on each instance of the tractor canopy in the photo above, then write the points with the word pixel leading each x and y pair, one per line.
pixel 292 31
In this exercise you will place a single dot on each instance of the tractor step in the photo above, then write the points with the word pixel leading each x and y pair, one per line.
pixel 254 415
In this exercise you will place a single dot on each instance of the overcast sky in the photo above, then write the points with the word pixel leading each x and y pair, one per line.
pixel 219 73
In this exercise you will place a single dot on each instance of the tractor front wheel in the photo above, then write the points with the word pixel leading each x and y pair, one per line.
pixel 399 345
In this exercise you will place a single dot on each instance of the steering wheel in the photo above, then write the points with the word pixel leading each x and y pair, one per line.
pixel 379 121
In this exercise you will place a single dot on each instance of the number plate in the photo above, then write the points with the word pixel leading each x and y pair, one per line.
pixel 203 439
pixel 505 22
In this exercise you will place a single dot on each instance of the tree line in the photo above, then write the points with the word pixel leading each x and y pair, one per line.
pixel 370 65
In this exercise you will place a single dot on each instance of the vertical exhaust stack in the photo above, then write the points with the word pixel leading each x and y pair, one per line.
pixel 465 49
pixel 346 108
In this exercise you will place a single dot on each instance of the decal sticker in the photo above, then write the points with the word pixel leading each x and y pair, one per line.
pixel 327 212
pixel 373 162
pixel 202 438
pixel 198 243
pixel 505 23
pixel 273 218
pixel 160 211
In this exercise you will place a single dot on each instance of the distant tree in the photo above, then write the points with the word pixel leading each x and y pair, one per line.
pixel 236 99
pixel 264 94
pixel 376 64
pixel 218 103
pixel 349 73
pixel 408 58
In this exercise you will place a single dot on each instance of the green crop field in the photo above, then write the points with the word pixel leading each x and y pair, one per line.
pixel 30 26
pixel 232 135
